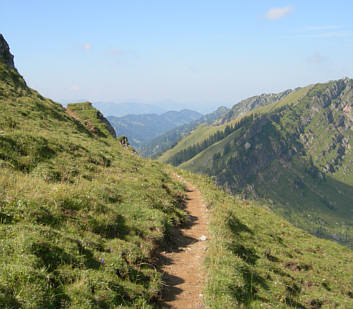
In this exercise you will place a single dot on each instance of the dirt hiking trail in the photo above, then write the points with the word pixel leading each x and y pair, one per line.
pixel 182 258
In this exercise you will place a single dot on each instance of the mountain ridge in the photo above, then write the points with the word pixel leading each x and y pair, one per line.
pixel 82 218
pixel 127 108
pixel 237 111
pixel 295 152
pixel 167 140
pixel 142 128
pixel 77 227
pixel 251 103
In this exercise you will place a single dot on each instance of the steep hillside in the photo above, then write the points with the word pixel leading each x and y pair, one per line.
pixel 80 214
pixel 91 118
pixel 141 129
pixel 200 135
pixel 166 141
pixel 197 136
pixel 255 259
pixel 249 104
pixel 296 153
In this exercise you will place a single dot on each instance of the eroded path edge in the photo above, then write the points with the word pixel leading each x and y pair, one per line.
pixel 182 258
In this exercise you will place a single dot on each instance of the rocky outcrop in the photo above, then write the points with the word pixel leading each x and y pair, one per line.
pixel 91 118
pixel 123 141
pixel 249 104
pixel 5 54
pixel 107 123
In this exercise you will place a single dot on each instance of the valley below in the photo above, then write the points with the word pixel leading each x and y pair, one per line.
pixel 294 153
pixel 248 207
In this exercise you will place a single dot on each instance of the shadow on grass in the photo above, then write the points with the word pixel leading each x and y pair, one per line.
pixel 294 304
pixel 51 256
pixel 18 146
pixel 237 227
pixel 115 229
pixel 5 218
pixel 248 292
pixel 7 299
pixel 248 255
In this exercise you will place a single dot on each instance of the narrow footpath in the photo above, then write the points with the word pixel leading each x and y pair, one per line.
pixel 181 261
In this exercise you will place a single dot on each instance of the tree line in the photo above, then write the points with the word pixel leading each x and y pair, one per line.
pixel 188 153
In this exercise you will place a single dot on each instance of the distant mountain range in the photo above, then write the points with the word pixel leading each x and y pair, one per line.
pixel 140 129
pixel 84 220
pixel 167 140
pixel 293 149
pixel 128 108
pixel 204 129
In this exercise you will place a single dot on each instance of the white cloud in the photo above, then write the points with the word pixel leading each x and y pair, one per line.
pixel 277 13
pixel 86 46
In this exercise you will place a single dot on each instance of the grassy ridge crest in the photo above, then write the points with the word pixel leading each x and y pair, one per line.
pixel 295 153
pixel 80 215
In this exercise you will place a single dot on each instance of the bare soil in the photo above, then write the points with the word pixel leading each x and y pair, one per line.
pixel 182 257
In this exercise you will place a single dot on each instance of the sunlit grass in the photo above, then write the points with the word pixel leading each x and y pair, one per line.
pixel 256 259
pixel 80 215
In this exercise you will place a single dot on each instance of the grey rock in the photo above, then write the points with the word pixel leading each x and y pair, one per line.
pixel 5 54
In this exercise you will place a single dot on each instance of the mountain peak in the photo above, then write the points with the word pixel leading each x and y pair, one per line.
pixel 5 54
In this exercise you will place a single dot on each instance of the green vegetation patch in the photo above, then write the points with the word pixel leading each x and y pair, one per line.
pixel 296 153
pixel 80 215
pixel 256 259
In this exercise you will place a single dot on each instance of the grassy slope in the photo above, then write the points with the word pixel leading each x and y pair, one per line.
pixel 247 105
pixel 291 99
pixel 256 259
pixel 199 134
pixel 90 117
pixel 80 215
pixel 321 206
pixel 168 140
pixel 203 132
pixel 202 161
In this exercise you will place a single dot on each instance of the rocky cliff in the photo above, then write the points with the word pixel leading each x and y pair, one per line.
pixel 5 54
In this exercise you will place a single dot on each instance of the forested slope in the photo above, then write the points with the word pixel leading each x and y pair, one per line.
pixel 296 153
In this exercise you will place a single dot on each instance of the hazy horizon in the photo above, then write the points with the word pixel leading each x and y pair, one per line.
pixel 197 55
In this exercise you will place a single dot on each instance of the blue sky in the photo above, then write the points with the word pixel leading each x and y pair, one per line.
pixel 196 53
